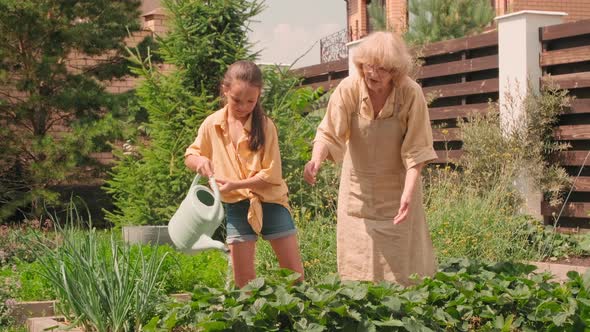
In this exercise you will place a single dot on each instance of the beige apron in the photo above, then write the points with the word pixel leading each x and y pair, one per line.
pixel 370 246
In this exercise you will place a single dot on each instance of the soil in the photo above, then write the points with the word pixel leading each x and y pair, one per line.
pixel 580 261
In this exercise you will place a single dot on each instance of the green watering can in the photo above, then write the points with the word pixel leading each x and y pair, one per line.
pixel 197 218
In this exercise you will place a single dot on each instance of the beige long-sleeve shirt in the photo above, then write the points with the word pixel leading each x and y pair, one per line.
pixel 405 101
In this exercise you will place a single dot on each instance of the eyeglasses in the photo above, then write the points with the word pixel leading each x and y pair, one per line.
pixel 375 69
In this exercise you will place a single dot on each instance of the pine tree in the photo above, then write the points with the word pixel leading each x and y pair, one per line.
pixel 377 16
pixel 204 38
pixel 38 90
pixel 436 20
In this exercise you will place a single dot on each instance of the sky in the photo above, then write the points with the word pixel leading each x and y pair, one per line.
pixel 286 29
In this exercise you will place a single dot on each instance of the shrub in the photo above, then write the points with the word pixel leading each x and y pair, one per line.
pixel 476 210
pixel 15 241
pixel 292 110
pixel 468 222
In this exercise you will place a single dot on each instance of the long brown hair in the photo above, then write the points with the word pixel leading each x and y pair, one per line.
pixel 248 71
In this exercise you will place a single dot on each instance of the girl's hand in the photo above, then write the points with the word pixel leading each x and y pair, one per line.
pixel 204 166
pixel 226 186
pixel 404 209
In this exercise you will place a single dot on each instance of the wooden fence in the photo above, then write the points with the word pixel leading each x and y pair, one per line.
pixel 462 77
pixel 565 60
pixel 326 75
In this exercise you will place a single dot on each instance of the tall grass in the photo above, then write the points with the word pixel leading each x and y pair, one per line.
pixel 317 244
pixel 472 223
pixel 476 211
pixel 99 285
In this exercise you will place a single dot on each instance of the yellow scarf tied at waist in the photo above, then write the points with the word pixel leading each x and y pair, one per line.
pixel 255 212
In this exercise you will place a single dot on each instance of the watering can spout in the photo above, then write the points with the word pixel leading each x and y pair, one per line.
pixel 205 242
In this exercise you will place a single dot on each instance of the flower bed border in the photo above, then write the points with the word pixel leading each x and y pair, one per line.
pixel 38 314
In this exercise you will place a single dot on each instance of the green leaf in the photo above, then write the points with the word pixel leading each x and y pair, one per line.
pixel 393 303
pixel 389 322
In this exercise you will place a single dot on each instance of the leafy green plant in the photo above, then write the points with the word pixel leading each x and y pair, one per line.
pixel 27 283
pixel 180 272
pixel 98 284
pixel 523 144
pixel 462 296
pixel 14 241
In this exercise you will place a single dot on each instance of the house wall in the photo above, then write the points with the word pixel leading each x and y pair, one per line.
pixel 397 12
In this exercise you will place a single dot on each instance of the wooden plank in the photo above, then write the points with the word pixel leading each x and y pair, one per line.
pixel 565 30
pixel 463 89
pixel 582 183
pixel 322 68
pixel 327 85
pixel 457 45
pixel 446 134
pixel 580 106
pixel 572 209
pixel 570 81
pixel 445 157
pixel 459 67
pixel 568 55
pixel 459 111
pixel 572 132
pixel 574 158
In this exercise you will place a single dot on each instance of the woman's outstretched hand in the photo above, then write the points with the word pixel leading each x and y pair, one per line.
pixel 311 171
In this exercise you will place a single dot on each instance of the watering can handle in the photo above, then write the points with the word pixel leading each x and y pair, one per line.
pixel 212 184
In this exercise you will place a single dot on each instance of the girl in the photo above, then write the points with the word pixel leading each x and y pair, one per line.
pixel 239 144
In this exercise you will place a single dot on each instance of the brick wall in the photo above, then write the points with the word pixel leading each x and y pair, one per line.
pixel 576 9
pixel 357 19
pixel 398 19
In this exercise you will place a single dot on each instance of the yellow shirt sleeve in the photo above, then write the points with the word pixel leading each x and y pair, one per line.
pixel 334 129
pixel 202 144
pixel 271 170
pixel 417 143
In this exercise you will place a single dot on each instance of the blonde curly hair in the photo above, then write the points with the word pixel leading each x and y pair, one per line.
pixel 384 49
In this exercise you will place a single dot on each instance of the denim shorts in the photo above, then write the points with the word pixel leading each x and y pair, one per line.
pixel 276 222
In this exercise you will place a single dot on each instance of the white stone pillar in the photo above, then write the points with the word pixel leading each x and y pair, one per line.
pixel 519 50
pixel 351 46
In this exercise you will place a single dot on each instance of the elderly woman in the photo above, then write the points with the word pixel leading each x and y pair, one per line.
pixel 377 125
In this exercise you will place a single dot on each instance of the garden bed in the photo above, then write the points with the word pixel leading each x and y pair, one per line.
pixel 37 314
pixel 43 324
pixel 558 270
